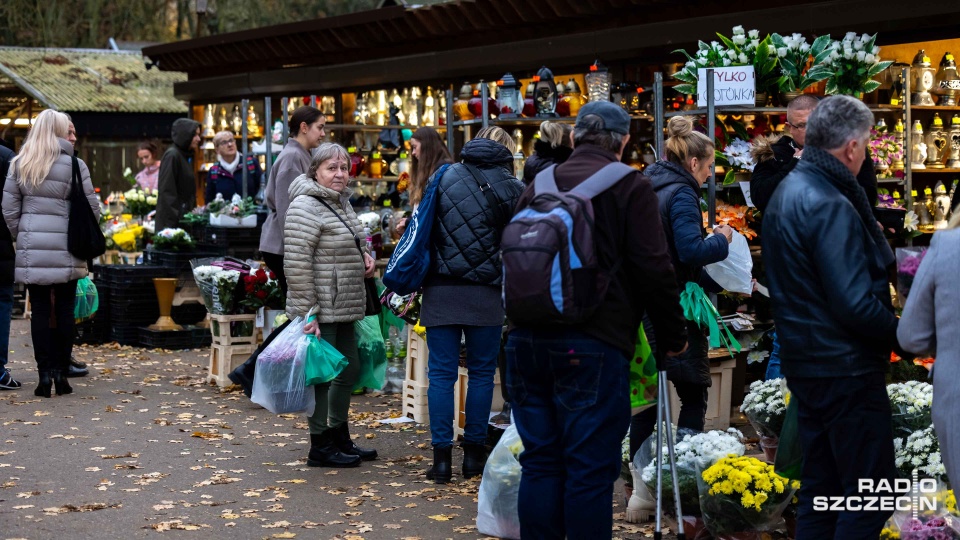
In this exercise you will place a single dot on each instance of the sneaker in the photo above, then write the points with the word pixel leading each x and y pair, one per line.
pixel 7 382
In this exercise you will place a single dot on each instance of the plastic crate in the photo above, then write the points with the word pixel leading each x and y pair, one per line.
pixel 239 242
pixel 128 274
pixel 125 335
pixel 178 261
pixel 191 337
pixel 92 332
pixel 189 314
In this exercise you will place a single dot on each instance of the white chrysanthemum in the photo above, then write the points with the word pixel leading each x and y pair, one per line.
pixel 738 30
pixel 754 34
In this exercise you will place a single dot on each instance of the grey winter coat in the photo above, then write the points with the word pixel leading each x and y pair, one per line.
pixel 929 327
pixel 38 219
pixel 293 161
pixel 177 183
pixel 323 266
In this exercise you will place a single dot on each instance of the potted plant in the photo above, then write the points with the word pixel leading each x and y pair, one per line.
pixel 797 71
pixel 239 212
pixel 742 495
pixel 173 240
pixel 765 406
pixel 737 160
pixel 140 202
pixel 712 54
pixel 750 50
pixel 853 63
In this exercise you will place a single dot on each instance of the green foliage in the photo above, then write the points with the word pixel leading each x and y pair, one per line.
pixel 795 55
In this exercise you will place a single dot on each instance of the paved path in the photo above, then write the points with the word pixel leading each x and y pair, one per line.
pixel 143 447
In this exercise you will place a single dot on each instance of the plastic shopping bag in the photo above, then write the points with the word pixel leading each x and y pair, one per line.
pixel 789 460
pixel 643 375
pixel 279 383
pixel 322 360
pixel 373 353
pixel 497 513
pixel 734 272
pixel 88 301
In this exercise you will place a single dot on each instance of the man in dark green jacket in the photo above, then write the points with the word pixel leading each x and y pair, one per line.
pixel 177 184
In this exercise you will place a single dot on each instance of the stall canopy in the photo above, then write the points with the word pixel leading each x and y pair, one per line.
pixel 483 38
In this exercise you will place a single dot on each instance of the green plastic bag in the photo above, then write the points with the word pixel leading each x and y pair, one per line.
pixel 643 375
pixel 88 301
pixel 789 460
pixel 322 361
pixel 372 352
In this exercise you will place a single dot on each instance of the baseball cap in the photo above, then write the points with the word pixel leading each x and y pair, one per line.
pixel 614 117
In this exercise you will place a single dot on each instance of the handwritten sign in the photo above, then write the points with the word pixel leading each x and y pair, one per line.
pixel 745 187
pixel 731 86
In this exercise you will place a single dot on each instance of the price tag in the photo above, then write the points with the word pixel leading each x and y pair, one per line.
pixel 745 187
pixel 259 321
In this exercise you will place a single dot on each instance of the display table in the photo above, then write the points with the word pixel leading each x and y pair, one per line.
pixel 718 395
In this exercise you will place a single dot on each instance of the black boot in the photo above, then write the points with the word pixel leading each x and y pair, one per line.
pixel 74 371
pixel 474 459
pixel 442 468
pixel 324 453
pixel 77 363
pixel 345 444
pixel 43 386
pixel 61 383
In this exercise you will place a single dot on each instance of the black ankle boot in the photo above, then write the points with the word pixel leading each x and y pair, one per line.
pixel 324 453
pixel 474 459
pixel 345 444
pixel 61 383
pixel 442 468
pixel 43 386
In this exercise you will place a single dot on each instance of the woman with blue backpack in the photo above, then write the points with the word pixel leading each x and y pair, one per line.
pixel 462 293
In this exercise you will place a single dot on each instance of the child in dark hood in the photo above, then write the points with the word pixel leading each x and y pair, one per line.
pixel 177 182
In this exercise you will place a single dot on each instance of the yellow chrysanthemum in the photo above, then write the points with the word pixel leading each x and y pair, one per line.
pixel 747 499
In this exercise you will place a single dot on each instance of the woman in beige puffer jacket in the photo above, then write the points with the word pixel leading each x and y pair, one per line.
pixel 36 208
pixel 325 266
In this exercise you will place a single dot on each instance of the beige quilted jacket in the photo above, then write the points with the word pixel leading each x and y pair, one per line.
pixel 323 267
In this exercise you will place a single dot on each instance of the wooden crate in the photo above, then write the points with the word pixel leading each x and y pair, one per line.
pixel 460 399
pixel 224 359
pixel 415 401
pixel 417 356
pixel 220 330
pixel 718 396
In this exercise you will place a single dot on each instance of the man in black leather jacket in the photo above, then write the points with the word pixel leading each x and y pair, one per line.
pixel 826 260
pixel 7 256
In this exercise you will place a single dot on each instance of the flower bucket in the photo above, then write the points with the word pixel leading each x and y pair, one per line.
pixel 769 446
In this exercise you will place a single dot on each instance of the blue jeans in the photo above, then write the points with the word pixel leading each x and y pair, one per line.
pixel 773 365
pixel 571 404
pixel 483 348
pixel 6 311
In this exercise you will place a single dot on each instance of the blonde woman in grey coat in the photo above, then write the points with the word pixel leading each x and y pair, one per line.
pixel 928 327
pixel 325 266
pixel 36 208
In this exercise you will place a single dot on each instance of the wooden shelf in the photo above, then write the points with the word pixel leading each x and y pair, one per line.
pixel 935 171
pixel 358 127
pixel 368 180
pixel 890 181
pixel 772 110
pixel 532 121
pixel 933 108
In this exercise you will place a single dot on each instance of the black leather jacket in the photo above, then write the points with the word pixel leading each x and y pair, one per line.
pixel 7 254
pixel 828 285
pixel 466 234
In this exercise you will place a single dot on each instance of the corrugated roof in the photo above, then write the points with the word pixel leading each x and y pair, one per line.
pixel 90 80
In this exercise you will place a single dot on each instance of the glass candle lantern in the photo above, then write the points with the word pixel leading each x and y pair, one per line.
pixel 953 141
pixel 545 93
pixel 461 107
pixel 529 107
pixel 923 77
pixel 508 97
pixel 948 83
pixel 598 82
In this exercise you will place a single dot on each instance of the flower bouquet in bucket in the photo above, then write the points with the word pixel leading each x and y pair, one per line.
pixel 921 452
pixel 908 263
pixel 765 406
pixel 912 404
pixel 742 496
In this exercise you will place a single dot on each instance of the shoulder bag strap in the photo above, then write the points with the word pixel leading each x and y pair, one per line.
pixel 356 238
pixel 76 182
pixel 487 190
pixel 545 182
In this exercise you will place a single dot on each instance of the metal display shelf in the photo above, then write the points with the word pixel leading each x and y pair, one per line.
pixel 364 127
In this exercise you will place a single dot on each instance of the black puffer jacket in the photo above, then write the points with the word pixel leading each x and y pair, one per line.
pixel 466 234
pixel 7 254
pixel 544 155
pixel 177 183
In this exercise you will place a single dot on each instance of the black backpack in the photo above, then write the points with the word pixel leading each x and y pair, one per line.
pixel 85 240
pixel 550 270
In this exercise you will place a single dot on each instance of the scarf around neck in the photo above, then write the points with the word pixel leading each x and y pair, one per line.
pixel 841 177
pixel 230 167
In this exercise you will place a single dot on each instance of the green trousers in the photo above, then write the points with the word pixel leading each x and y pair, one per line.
pixel 333 398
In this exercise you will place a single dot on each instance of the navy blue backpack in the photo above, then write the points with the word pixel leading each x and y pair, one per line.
pixel 410 261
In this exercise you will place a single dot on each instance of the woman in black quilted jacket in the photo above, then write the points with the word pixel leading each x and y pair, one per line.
pixel 461 294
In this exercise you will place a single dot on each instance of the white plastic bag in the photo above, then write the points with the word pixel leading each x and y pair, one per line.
pixel 497 513
pixel 279 382
pixel 734 273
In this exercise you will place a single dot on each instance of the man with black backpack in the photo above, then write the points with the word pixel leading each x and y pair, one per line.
pixel 584 258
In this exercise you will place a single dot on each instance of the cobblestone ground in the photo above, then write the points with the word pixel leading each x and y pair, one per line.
pixel 145 447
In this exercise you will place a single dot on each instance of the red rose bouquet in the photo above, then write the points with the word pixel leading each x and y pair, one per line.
pixel 261 290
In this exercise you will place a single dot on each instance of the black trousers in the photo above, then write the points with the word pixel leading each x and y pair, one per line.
pixel 846 434
pixel 52 347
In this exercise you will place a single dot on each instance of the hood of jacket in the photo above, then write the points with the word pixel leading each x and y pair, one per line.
pixel 304 185
pixel 487 152
pixel 763 147
pixel 665 173
pixel 557 154
pixel 182 132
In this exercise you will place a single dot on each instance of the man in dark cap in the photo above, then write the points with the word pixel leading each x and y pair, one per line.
pixel 569 382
